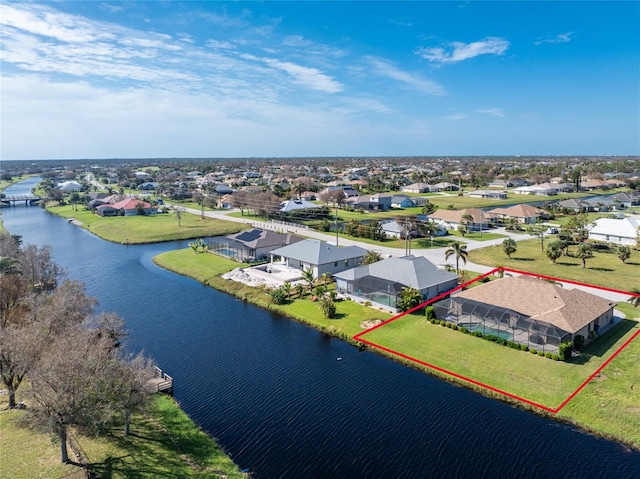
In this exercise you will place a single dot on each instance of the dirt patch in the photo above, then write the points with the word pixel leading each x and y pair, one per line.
pixel 600 377
pixel 370 323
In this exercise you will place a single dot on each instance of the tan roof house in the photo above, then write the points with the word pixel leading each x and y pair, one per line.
pixel 523 213
pixel 532 310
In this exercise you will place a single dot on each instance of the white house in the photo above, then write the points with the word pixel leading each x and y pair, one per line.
pixel 618 231
pixel 69 186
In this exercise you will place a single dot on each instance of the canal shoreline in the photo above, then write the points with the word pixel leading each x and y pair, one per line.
pixel 261 299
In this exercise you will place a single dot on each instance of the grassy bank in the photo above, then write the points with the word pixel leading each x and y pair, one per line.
pixel 604 269
pixel 164 443
pixel 207 269
pixel 147 229
pixel 607 407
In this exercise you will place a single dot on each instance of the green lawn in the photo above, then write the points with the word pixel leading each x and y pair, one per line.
pixel 532 377
pixel 604 269
pixel 163 443
pixel 207 269
pixel 147 229
pixel 537 379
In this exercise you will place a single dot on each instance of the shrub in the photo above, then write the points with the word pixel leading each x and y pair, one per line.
pixel 442 322
pixel 547 355
pixel 454 327
pixel 524 347
pixel 555 357
pixel 564 352
pixel 464 330
pixel 540 353
pixel 429 313
pixel 477 334
pixel 448 325
pixel 278 296
pixel 578 342
pixel 492 337
pixel 533 351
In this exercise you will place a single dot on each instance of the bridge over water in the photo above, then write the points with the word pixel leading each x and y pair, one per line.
pixel 12 200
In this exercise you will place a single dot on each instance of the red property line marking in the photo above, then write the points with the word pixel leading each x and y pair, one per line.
pixel 358 337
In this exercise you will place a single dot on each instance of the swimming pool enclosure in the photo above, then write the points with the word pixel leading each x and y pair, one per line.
pixel 502 322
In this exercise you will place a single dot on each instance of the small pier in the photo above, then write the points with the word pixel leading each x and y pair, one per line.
pixel 162 382
pixel 12 200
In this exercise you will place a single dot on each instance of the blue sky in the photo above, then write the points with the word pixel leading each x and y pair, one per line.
pixel 94 79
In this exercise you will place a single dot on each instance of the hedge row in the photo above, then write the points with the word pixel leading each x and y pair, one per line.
pixel 494 339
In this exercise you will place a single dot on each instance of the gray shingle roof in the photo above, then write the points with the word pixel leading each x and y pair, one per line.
pixel 416 272
pixel 318 252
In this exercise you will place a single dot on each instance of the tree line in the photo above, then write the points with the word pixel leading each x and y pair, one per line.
pixel 68 363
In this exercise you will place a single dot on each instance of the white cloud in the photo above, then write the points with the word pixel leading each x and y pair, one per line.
pixel 458 51
pixel 415 82
pixel 309 77
pixel 492 112
pixel 559 38
pixel 455 117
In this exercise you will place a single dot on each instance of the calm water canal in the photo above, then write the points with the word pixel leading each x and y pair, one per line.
pixel 279 401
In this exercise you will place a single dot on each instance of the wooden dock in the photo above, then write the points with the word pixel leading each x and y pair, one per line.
pixel 162 382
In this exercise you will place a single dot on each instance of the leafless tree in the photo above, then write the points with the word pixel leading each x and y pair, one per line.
pixel 70 384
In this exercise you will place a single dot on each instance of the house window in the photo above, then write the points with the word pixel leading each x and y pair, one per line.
pixel 335 263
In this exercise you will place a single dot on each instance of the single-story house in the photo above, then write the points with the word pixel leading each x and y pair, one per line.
pixel 149 185
pixel 348 190
pixel 254 245
pixel 491 194
pixel 523 213
pixel 543 189
pixel 452 219
pixel 618 231
pixel 319 256
pixel 628 199
pixel 69 186
pixel 103 200
pixel 577 205
pixel 402 201
pixel 416 188
pixel 126 207
pixel 299 204
pixel 528 310
pixel 381 282
pixel 594 184
pixel 444 186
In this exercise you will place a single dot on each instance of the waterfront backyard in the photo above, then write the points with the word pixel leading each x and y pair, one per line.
pixel 519 373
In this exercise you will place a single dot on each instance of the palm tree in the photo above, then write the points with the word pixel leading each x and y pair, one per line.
pixel 584 252
pixel 307 276
pixel 460 252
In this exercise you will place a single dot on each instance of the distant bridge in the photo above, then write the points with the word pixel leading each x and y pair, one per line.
pixel 11 200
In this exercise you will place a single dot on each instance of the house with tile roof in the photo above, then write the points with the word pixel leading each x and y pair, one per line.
pixel 381 283
pixel 127 207
pixel 528 310
pixel 319 256
pixel 522 213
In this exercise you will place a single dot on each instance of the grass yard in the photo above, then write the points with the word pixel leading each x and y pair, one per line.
pixel 162 443
pixel 521 373
pixel 604 269
pixel 147 229
pixel 207 268
pixel 607 406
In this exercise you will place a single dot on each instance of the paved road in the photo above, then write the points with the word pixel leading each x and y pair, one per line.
pixel 435 255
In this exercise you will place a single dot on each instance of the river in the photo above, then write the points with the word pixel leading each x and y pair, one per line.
pixel 279 401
